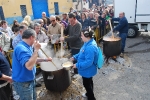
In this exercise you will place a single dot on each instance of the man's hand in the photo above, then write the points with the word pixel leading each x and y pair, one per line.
pixel 62 38
pixel 51 36
pixel 63 25
pixel 37 46
pixel 74 66
pixel 49 59
pixel 72 59
pixel 10 80
pixel 6 78
pixel 57 42
pixel 4 53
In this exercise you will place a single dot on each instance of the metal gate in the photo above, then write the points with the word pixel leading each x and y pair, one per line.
pixel 56 8
pixel 39 6
pixel 1 14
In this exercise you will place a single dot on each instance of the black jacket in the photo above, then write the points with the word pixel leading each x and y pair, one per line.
pixel 74 36
pixel 4 67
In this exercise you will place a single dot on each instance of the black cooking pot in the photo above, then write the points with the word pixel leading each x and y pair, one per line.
pixel 111 48
pixel 55 78
pixel 57 81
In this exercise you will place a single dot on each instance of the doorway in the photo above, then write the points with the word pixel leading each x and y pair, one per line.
pixel 56 8
pixel 39 6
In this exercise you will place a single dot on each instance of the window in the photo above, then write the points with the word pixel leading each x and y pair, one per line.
pixel 23 10
pixel 1 14
pixel 74 0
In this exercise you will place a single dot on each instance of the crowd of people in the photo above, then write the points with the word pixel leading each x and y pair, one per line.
pixel 96 18
pixel 80 30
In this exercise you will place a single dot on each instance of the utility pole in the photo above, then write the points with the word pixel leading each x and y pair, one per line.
pixel 81 5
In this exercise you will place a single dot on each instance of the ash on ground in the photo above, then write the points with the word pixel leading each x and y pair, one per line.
pixel 73 92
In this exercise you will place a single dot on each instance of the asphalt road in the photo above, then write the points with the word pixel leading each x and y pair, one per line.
pixel 127 81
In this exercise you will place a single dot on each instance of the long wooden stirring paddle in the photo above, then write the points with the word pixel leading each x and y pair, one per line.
pixel 48 57
pixel 111 28
pixel 61 47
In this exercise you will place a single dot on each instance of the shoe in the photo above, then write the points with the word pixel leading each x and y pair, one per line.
pixel 38 85
pixel 75 76
pixel 122 55
pixel 84 95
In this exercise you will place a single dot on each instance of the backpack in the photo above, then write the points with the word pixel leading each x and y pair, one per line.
pixel 100 61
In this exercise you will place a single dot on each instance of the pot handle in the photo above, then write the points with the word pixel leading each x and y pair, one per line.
pixel 50 77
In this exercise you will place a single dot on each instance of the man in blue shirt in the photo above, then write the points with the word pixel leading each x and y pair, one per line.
pixel 23 65
pixel 122 27
pixel 18 38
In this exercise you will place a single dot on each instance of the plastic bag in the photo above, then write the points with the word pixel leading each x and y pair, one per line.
pixel 100 61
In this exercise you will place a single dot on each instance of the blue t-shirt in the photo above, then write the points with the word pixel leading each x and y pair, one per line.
pixel 22 53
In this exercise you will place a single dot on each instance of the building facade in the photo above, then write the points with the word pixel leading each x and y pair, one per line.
pixel 80 4
pixel 17 9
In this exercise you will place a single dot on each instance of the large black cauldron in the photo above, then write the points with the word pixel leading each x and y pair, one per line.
pixel 61 80
pixel 111 48
pixel 56 79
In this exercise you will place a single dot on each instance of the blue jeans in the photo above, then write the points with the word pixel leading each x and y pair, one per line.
pixel 123 37
pixel 26 90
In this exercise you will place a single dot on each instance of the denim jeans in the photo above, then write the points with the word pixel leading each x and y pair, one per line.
pixel 26 90
pixel 123 37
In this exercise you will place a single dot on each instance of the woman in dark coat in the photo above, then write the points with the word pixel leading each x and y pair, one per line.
pixel 84 21
pixel 15 25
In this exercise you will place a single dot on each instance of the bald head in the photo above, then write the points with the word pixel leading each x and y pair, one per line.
pixel 43 14
pixel 53 19
pixel 121 14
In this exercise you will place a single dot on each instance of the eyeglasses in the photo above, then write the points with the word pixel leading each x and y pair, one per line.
pixel 86 32
pixel 52 20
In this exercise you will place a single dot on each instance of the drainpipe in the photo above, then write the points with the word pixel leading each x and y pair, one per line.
pixel 81 5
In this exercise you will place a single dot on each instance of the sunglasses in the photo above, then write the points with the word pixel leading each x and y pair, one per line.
pixel 52 20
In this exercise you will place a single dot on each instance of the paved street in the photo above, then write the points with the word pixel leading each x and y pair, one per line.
pixel 126 79
pixel 130 81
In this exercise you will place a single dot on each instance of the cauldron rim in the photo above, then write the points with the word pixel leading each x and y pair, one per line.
pixel 57 67
pixel 111 38
pixel 52 71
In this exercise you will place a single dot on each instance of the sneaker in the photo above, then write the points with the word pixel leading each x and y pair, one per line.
pixel 122 55
pixel 84 95
pixel 75 76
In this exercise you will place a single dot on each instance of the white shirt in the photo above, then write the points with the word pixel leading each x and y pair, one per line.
pixel 9 31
